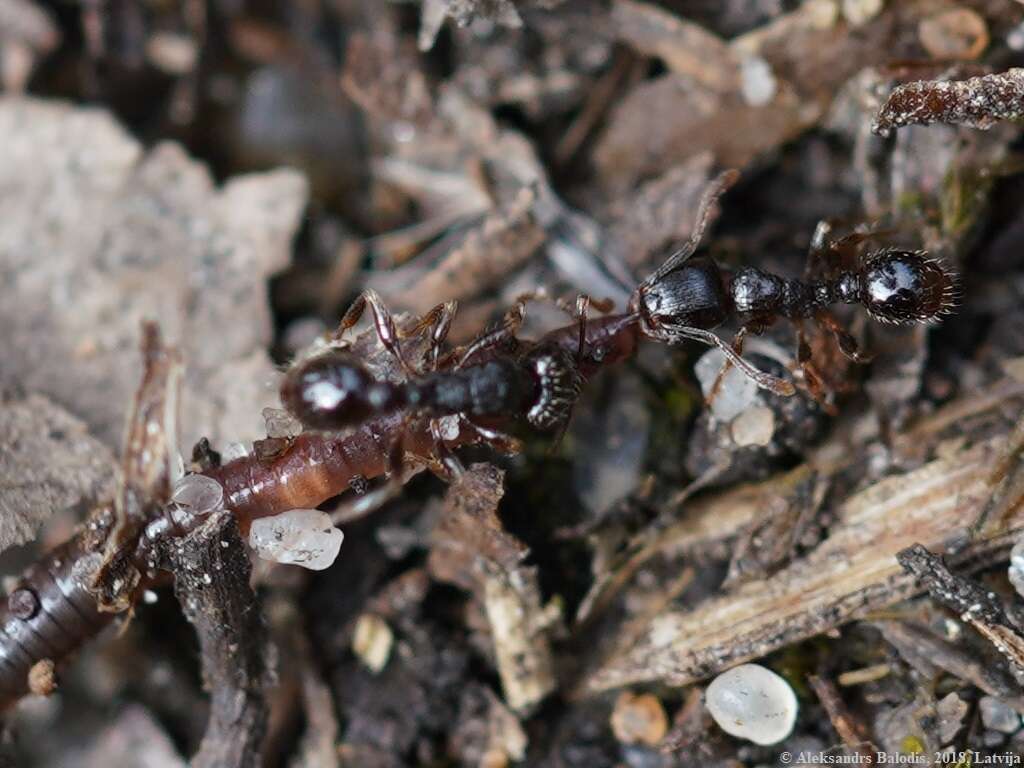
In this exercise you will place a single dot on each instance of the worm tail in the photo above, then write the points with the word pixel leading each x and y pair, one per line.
pixel 47 616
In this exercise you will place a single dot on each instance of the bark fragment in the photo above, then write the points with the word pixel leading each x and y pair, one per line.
pixel 978 102
pixel 212 584
pixel 472 550
pixel 48 462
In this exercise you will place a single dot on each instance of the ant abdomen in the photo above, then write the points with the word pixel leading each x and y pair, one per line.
pixel 334 390
pixel 905 287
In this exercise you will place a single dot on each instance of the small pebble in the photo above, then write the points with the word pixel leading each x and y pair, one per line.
pixel 996 715
pixel 821 14
pixel 172 53
pixel 372 641
pixel 639 719
pixel 755 426
pixel 752 703
pixel 951 711
pixel 281 424
pixel 198 495
pixel 736 392
pixel 757 82
pixel 233 451
pixel 303 537
pixel 859 12
pixel 1016 570
pixel 1015 38
pixel 958 34
pixel 42 677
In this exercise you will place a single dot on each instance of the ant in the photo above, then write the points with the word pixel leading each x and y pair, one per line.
pixel 495 377
pixel 683 300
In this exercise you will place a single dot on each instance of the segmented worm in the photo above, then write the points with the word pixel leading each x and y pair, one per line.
pixel 52 611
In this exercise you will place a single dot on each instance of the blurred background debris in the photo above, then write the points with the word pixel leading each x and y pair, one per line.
pixel 239 171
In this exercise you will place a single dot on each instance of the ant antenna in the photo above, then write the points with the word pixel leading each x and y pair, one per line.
pixel 714 191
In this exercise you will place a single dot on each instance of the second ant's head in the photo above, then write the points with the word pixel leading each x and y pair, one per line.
pixel 906 287
pixel 693 294
pixel 334 391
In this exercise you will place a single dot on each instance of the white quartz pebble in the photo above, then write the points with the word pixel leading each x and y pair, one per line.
pixel 997 715
pixel 757 81
pixel 736 393
pixel 755 426
pixel 233 451
pixel 752 703
pixel 1016 572
pixel 198 495
pixel 303 537
pixel 280 423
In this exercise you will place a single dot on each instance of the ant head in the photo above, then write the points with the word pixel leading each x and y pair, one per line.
pixel 692 294
pixel 906 287
pixel 329 391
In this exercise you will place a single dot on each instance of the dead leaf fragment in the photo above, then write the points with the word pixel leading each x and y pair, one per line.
pixel 48 462
pixel 98 236
pixel 851 572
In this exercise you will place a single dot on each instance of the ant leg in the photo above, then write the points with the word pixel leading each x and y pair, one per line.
pixel 438 321
pixel 737 347
pixel 847 344
pixel 827 257
pixel 513 321
pixel 676 333
pixel 450 466
pixel 499 441
pixel 382 320
pixel 813 379
pixel 820 254
pixel 582 304
pixel 755 326
pixel 505 332
pixel 539 295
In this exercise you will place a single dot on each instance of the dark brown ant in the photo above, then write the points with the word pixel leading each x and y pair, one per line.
pixel 688 296
pixel 497 377
pixel 683 300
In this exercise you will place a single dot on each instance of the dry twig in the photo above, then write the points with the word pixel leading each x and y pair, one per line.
pixel 212 584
